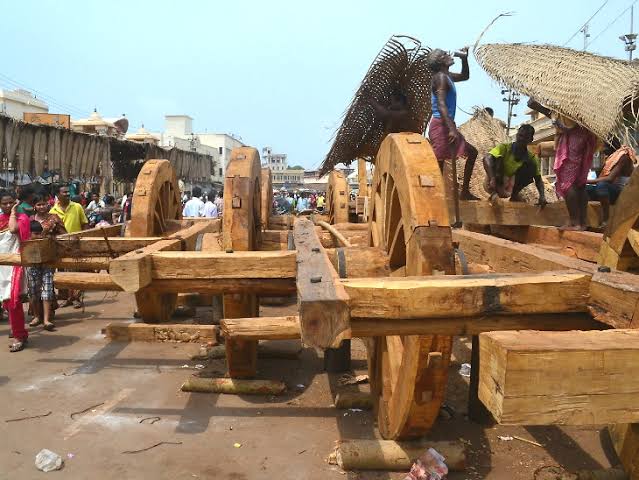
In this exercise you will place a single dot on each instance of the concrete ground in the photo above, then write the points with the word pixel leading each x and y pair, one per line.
pixel 107 398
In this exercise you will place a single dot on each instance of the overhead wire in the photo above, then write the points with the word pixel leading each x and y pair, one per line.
pixel 586 22
pixel 40 95
pixel 612 23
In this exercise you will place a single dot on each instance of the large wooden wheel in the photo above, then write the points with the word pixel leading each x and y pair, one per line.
pixel 337 198
pixel 241 232
pixel 242 200
pixel 620 246
pixel 409 220
pixel 156 199
pixel 266 186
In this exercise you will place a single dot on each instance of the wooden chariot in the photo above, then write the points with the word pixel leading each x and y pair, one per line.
pixel 401 282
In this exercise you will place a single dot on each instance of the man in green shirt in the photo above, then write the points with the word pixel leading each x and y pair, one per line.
pixel 510 167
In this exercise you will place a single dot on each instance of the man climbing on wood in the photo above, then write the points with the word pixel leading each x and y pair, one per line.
pixel 510 167
pixel 446 140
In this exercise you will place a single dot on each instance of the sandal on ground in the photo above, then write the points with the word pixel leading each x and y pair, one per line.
pixel 66 303
pixel 18 346
pixel 35 322
pixel 77 304
pixel 50 327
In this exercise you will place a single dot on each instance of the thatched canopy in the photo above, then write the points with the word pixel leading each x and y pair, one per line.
pixel 400 64
pixel 594 91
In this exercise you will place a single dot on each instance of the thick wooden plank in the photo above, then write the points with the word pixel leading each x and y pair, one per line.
pixel 98 246
pixel 85 281
pixel 147 332
pixel 578 244
pixel 507 256
pixel 567 378
pixel 614 297
pixel 110 231
pixel 381 327
pixel 261 328
pixel 132 271
pixel 261 286
pixel 520 213
pixel 467 295
pixel 323 302
pixel 218 265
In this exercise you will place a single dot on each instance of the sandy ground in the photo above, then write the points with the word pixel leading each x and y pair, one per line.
pixel 118 387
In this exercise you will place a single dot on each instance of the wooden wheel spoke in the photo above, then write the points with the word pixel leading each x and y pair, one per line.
pixel 397 248
pixel 633 240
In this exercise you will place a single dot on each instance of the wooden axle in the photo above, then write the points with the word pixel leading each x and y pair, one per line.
pixel 284 328
pixel 133 270
pixel 85 281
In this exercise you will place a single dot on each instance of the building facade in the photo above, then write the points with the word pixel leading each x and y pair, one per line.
pixel 178 132
pixel 15 103
pixel 277 162
pixel 223 143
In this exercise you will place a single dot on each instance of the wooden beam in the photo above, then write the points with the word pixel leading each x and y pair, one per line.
pixel 506 256
pixel 381 327
pixel 98 246
pixel 565 378
pixel 614 296
pixel 262 286
pixel 359 262
pixel 147 332
pixel 578 244
pixel 81 263
pixel 219 265
pixel 323 302
pixel 261 328
pixel 467 295
pixel 85 281
pixel 132 271
pixel 110 231
pixel 505 212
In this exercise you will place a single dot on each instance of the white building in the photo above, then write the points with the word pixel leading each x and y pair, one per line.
pixel 223 143
pixel 277 162
pixel 178 129
pixel 178 132
pixel 14 103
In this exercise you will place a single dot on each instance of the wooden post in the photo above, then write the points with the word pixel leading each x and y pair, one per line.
pixel 362 178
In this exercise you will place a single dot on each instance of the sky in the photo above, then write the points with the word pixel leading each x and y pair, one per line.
pixel 278 72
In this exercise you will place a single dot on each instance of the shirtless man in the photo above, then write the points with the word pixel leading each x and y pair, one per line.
pixel 446 140
pixel 396 116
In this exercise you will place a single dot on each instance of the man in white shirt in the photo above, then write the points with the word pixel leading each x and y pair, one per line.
pixel 209 209
pixel 219 203
pixel 95 203
pixel 193 208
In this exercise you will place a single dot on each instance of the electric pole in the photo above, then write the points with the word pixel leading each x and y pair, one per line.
pixel 512 99
pixel 630 39
pixel 586 35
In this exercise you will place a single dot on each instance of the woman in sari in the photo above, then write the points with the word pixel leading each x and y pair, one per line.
pixel 14 229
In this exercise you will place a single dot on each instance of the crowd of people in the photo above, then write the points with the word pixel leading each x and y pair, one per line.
pixel 209 204
pixel 299 202
pixel 31 212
